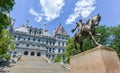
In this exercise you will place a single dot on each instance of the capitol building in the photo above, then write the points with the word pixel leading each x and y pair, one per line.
pixel 34 41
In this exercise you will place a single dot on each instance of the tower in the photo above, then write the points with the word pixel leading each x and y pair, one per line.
pixel 60 33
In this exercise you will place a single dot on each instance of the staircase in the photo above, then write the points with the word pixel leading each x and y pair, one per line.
pixel 29 64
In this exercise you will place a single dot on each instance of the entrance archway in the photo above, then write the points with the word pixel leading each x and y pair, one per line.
pixel 38 54
pixel 32 54
pixel 26 53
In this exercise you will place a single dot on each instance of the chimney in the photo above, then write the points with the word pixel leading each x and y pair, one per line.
pixel 44 28
pixel 27 22
pixel 12 24
pixel 54 30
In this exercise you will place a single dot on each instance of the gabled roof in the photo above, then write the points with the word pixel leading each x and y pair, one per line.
pixel 61 30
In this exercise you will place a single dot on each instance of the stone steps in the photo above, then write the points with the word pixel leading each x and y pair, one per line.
pixel 36 65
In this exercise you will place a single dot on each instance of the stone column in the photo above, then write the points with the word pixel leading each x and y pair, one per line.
pixel 35 53
pixel 29 52
pixel 98 60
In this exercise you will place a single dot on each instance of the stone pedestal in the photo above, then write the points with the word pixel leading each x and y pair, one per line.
pixel 101 59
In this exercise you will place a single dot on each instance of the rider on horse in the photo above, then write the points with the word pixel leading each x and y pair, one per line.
pixel 79 25
pixel 87 30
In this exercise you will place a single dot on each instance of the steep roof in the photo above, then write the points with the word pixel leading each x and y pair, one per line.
pixel 61 30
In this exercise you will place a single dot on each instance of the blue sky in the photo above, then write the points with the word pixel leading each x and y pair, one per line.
pixel 65 12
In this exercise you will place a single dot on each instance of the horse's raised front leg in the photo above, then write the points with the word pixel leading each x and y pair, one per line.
pixel 93 39
pixel 99 36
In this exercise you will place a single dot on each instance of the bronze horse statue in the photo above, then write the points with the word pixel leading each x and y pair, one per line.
pixel 86 31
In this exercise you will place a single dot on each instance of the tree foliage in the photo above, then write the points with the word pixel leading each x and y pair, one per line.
pixel 5 21
pixel 6 42
pixel 5 7
pixel 70 50
pixel 115 38
pixel 58 58
pixel 104 31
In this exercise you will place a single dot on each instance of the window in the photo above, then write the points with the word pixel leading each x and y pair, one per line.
pixel 38 45
pixel 50 50
pixel 32 53
pixel 26 53
pixel 27 45
pixel 49 56
pixel 50 42
pixel 38 54
pixel 53 43
pixel 53 50
pixel 53 56
pixel 14 36
pixel 62 30
pixel 19 37
pixel 15 52
pixel 35 32
pixel 58 43
pixel 33 45
pixel 40 32
pixel 47 49
pixel 38 40
pixel 62 37
pixel 63 50
pixel 59 50
pixel 46 42
pixel 30 31
pixel 59 37
pixel 28 39
pixel 17 44
pixel 34 39
pixel 62 43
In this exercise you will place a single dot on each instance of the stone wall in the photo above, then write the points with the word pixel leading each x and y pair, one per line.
pixel 98 60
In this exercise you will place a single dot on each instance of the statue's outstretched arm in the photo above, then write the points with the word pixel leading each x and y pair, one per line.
pixel 75 27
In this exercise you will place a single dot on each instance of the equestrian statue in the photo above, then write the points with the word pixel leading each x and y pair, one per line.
pixel 86 31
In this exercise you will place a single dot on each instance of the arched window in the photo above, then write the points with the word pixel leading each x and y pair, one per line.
pixel 26 53
pixel 38 54
pixel 32 54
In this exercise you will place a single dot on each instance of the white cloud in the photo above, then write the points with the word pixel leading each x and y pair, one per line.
pixel 38 17
pixel 33 12
pixel 51 9
pixel 82 8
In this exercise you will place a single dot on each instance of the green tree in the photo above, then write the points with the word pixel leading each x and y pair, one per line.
pixel 7 57
pixel 6 42
pixel 5 21
pixel 115 38
pixel 57 58
pixel 105 35
pixel 5 7
pixel 70 50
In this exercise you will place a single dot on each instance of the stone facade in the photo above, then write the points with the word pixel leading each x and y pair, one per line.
pixel 39 42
